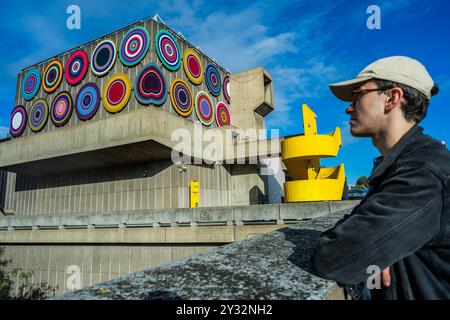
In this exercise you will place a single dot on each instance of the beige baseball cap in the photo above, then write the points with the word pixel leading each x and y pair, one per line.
pixel 399 69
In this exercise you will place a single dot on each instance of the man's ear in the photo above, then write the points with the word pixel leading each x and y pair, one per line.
pixel 394 99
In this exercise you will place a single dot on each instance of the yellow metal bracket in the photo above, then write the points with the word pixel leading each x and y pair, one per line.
pixel 301 154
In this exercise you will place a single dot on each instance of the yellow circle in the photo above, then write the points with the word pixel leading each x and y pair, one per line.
pixel 116 106
pixel 55 84
pixel 180 111
pixel 192 77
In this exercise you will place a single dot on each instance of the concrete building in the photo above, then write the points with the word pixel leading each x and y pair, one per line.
pixel 114 155
pixel 123 161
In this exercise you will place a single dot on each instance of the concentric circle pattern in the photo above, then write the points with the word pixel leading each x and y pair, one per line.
pixel 61 109
pixel 226 88
pixel 192 66
pixel 181 98
pixel 76 67
pixel 134 46
pixel 18 121
pixel 213 80
pixel 87 101
pixel 53 75
pixel 38 116
pixel 223 116
pixel 116 93
pixel 168 50
pixel 31 84
pixel 103 58
pixel 150 86
pixel 204 108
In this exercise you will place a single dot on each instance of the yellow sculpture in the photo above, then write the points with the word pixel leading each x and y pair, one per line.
pixel 301 154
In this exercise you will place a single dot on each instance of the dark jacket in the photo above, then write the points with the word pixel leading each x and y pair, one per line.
pixel 403 223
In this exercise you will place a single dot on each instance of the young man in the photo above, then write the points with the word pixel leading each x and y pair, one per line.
pixel 403 224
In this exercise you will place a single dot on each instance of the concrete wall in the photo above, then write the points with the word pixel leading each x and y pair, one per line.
pixel 3 177
pixel 247 185
pixel 103 253
pixel 149 185
pixel 97 263
pixel 271 266
pixel 251 89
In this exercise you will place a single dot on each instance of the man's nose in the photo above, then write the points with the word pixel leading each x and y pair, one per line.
pixel 349 109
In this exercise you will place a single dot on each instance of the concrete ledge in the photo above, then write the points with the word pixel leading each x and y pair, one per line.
pixel 307 210
pixel 342 205
pixel 212 214
pixel 275 265
pixel 257 212
pixel 274 212
pixel 147 235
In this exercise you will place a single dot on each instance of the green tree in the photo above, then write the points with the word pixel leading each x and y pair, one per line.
pixel 17 285
pixel 362 183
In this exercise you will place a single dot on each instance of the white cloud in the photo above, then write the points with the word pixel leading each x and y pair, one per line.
pixel 237 40
pixel 294 85
pixel 239 45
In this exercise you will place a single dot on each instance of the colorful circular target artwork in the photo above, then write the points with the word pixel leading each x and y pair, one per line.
pixel 103 58
pixel 134 46
pixel 150 86
pixel 181 97
pixel 226 88
pixel 116 93
pixel 213 80
pixel 223 116
pixel 53 75
pixel 18 121
pixel 204 108
pixel 87 101
pixel 168 50
pixel 31 84
pixel 192 66
pixel 61 109
pixel 76 67
pixel 38 115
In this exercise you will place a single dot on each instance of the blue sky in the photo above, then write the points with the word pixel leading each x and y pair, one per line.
pixel 305 45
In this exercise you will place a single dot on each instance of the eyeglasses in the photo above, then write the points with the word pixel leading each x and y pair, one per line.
pixel 357 94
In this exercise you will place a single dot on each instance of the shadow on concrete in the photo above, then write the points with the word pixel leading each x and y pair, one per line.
pixel 162 295
pixel 111 174
pixel 256 196
pixel 305 241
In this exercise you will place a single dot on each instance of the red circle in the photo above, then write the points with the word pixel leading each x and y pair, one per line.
pixel 194 66
pixel 116 92
pixel 83 64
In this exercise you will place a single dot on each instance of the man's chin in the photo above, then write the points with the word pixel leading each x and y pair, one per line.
pixel 358 133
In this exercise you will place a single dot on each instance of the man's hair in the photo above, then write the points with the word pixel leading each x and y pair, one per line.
pixel 415 103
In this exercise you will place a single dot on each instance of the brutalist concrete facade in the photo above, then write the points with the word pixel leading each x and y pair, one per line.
pixel 121 165
pixel 123 161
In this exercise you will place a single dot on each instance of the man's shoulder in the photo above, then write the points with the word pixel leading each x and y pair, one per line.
pixel 427 152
